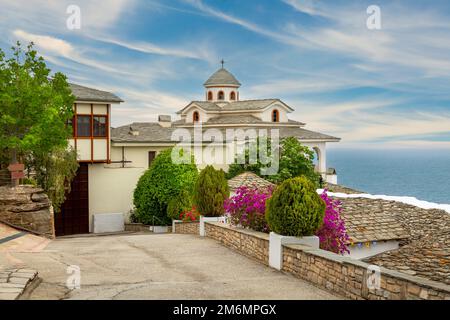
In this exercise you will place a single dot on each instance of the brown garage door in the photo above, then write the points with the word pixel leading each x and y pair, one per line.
pixel 73 217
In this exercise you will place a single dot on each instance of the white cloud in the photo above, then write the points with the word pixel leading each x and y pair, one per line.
pixel 52 48
pixel 362 121
pixel 199 51
pixel 52 15
pixel 47 43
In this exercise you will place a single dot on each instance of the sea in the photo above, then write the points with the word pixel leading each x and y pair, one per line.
pixel 424 174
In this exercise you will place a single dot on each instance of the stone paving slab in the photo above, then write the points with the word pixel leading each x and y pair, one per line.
pixel 13 282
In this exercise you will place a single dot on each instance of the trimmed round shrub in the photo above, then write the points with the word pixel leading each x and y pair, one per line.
pixel 295 208
pixel 162 182
pixel 210 192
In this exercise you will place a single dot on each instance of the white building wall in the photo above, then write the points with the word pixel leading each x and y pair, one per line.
pixel 203 115
pixel 320 150
pixel 267 114
pixel 363 252
pixel 83 108
pixel 111 189
pixel 111 186
pixel 84 149
pixel 226 91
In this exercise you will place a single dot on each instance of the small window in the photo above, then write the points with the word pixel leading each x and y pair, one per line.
pixel 220 95
pixel 99 126
pixel 275 116
pixel 83 126
pixel 210 96
pixel 195 116
pixel 232 95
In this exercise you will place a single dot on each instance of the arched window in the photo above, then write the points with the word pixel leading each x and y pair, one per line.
pixel 195 116
pixel 210 96
pixel 220 95
pixel 232 95
pixel 275 116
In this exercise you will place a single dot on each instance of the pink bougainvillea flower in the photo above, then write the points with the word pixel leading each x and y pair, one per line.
pixel 333 235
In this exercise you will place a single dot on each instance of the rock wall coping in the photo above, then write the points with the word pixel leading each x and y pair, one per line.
pixel 339 274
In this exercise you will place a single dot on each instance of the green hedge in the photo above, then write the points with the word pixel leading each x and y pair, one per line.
pixel 295 208
pixel 162 182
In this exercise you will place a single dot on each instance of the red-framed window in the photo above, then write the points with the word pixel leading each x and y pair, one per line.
pixel 83 125
pixel 195 116
pixel 275 116
pixel 100 126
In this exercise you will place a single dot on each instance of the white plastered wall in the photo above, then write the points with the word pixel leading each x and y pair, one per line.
pixel 320 151
pixel 226 91
pixel 111 186
pixel 203 115
pixel 266 115
pixel 362 252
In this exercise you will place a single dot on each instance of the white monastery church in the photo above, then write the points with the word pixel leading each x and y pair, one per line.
pixel 112 159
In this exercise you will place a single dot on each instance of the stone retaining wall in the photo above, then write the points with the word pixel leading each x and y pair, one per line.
pixel 342 275
pixel 187 227
pixel 137 227
pixel 251 243
pixel 27 207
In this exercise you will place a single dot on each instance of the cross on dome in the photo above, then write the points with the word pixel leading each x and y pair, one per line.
pixel 222 86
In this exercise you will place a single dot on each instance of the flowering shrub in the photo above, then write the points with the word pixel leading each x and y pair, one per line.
pixel 247 208
pixel 190 215
pixel 332 234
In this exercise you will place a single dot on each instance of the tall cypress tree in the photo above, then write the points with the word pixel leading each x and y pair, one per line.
pixel 211 190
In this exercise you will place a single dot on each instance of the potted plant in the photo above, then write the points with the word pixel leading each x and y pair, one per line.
pixel 294 213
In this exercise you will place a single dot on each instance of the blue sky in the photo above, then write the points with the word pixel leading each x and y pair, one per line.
pixel 373 88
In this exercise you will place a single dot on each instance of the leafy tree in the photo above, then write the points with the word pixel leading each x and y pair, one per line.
pixel 295 208
pixel 162 182
pixel 210 192
pixel 295 160
pixel 34 110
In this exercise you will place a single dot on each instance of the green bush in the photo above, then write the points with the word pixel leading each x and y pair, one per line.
pixel 295 208
pixel 210 192
pixel 182 202
pixel 162 182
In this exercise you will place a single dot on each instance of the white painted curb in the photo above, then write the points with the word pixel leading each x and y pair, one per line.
pixel 207 219
pixel 173 224
pixel 277 241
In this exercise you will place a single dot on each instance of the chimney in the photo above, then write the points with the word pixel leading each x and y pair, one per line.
pixel 133 132
pixel 165 121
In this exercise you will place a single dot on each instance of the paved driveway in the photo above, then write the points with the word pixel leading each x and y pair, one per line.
pixel 157 266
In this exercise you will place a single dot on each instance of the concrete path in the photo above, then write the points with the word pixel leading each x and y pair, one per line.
pixel 156 266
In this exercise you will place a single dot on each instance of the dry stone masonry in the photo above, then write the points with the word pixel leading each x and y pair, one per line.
pixel 27 207
pixel 341 275
pixel 187 227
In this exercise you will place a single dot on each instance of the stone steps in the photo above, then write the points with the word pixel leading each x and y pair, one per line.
pixel 13 282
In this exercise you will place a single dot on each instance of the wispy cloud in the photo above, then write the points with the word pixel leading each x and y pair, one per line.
pixel 201 52
pixel 365 86
pixel 51 47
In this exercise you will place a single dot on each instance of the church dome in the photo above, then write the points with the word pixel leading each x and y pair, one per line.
pixel 222 77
